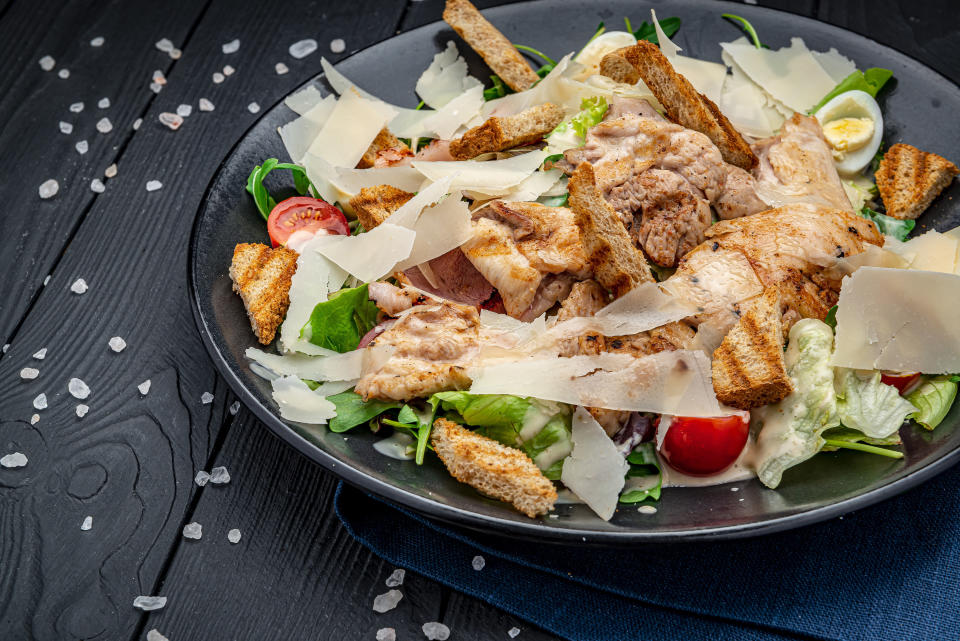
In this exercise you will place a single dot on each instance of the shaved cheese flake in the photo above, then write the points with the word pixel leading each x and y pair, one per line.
pixel 299 403
pixel 439 229
pixel 304 100
pixel 297 135
pixel 901 320
pixel 837 65
pixel 745 104
pixel 642 308
pixel 333 367
pixel 314 279
pixel 791 74
pixel 445 78
pixel 340 184
pixel 932 252
pixel 500 330
pixel 456 113
pixel 534 186
pixel 491 177
pixel 351 127
pixel 595 470
pixel 371 255
pixel 675 382
pixel 409 212
pixel 706 77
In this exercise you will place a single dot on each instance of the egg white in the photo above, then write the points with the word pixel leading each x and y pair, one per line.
pixel 854 104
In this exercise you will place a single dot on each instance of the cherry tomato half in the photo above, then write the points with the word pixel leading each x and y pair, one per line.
pixel 304 214
pixel 704 446
pixel 901 380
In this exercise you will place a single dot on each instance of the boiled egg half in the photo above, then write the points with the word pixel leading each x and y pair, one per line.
pixel 600 46
pixel 853 126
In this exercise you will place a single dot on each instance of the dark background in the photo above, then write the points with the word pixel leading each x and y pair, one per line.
pixel 130 462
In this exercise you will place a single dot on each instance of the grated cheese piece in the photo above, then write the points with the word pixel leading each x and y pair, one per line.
pixel 932 251
pixel 439 229
pixel 343 183
pixel 297 402
pixel 332 367
pixel 456 113
pixel 369 256
pixel 595 470
pixel 642 308
pixel 297 135
pixel 445 78
pixel 490 177
pixel 314 279
pixel 351 127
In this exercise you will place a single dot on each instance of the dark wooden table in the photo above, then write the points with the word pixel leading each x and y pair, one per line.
pixel 130 462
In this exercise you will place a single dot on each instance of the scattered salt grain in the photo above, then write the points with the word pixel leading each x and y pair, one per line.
pixel 78 389
pixel 104 103
pixel 148 603
pixel 29 373
pixel 16 459
pixel 201 478
pixel 436 631
pixel 228 70
pixel 48 189
pixel 97 42
pixel 234 408
pixel 97 186
pixel 155 87
pixel 387 601
pixel 87 523
pixel 741 500
pixel 206 398
pixel 66 127
pixel 171 120
pixel 79 286
pixel 164 45
pixel 104 126
pixel 82 410
pixel 386 634
pixel 647 509
pixel 47 63
pixel 46 280
pixel 82 147
pixel 478 563
pixel 219 475
pixel 184 110
pixel 137 123
pixel 175 54
pixel 144 387
pixel 231 47
pixel 337 45
pixel 154 635
pixel 117 344
pixel 158 77
pixel 253 107
pixel 154 185
pixel 233 535
pixel 281 68
pixel 205 105
pixel 40 354
pixel 513 632
pixel 110 171
pixel 64 74
pixel 217 77
pixel 192 531
pixel 76 107
pixel 40 402
pixel 396 578
pixel 303 48
pixel 6 346
pixel 34 419
pixel 734 489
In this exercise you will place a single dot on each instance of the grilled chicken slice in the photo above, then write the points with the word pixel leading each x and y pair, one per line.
pixel 797 166
pixel 430 349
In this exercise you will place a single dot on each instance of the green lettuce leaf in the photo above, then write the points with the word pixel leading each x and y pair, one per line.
pixel 792 429
pixel 889 225
pixel 352 410
pixel 843 438
pixel 865 404
pixel 646 31
pixel 870 81
pixel 933 400
pixel 644 479
pixel 264 201
pixel 341 322
pixel 571 133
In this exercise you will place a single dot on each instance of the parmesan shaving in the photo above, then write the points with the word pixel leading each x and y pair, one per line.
pixel 371 255
pixel 456 113
pixel 297 402
pixel 351 127
pixel 297 135
pixel 534 186
pixel 340 184
pixel 439 229
pixel 445 78
pixel 932 252
pixel 642 308
pixel 745 104
pixel 491 177
pixel 595 470
pixel 304 100
pixel 334 367
pixel 706 77
pixel 835 64
pixel 314 279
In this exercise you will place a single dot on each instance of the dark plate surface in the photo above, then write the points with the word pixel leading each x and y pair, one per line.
pixel 919 108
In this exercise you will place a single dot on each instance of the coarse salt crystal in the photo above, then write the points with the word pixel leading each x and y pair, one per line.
pixel 117 344
pixel 29 373
pixel 104 125
pixel 144 387
pixel 97 186
pixel 82 410
pixel 231 47
pixel 337 45
pixel 148 603
pixel 157 76
pixel 513 632
pixel 171 120
pixel 436 631
pixel 137 123
pixel 40 402
pixel 154 185
pixel 386 634
pixel 206 398
pixel 97 42
pixel 478 563
pixel 164 45
pixel 184 110
pixel 47 63
pixel 154 635
pixel 6 346
pixel 205 105
pixel 201 478
pixel 66 127
pixel 281 68
pixel 110 171
pixel 396 578
pixel 104 103
pixel 302 48
pixel 46 280
pixel 40 354
pixel 17 459
pixel 82 147
pixel 79 286
pixel 76 107
pixel 228 70
pixel 34 419
pixel 234 408
pixel 64 73
pixel 218 77
pixel 253 107
pixel 219 475
pixel 155 87
pixel 387 601
pixel 87 523
pixel 647 509
pixel 175 54
pixel 192 531
pixel 78 389
pixel 48 189
pixel 734 489
pixel 234 535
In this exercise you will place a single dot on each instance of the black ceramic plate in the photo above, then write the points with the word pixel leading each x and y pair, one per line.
pixel 920 108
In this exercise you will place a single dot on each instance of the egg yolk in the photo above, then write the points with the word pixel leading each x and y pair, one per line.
pixel 848 134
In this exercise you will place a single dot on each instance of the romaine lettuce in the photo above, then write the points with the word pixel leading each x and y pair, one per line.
pixel 645 479
pixel 572 133
pixel 865 404
pixel 889 225
pixel 352 410
pixel 341 322
pixel 933 400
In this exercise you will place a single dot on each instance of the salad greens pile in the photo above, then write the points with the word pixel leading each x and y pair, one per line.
pixel 340 322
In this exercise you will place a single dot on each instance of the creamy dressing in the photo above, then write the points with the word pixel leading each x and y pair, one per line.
pixel 743 468
pixel 398 446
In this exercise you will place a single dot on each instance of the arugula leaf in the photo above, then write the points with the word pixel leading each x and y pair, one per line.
pixel 554 201
pixel 877 157
pixel 745 24
pixel 889 225
pixel 862 447
pixel 648 32
pixel 536 53
pixel 831 318
pixel 341 322
pixel 263 199
pixel 419 422
pixel 933 400
pixel 871 81
pixel 352 410
pixel 643 464
pixel 498 90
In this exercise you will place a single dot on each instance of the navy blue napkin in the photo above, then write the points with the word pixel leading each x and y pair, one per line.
pixel 891 571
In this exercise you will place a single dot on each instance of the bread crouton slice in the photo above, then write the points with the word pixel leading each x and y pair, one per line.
pixel 261 275
pixel 384 141
pixel 499 54
pixel 492 468
pixel 617 264
pixel 499 133
pixel 748 367
pixel 373 205
pixel 679 99
pixel 909 179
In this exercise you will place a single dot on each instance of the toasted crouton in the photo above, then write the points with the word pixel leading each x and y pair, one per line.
pixel 261 276
pixel 499 54
pixel 909 179
pixel 616 263
pixel 494 469
pixel 374 204
pixel 748 367
pixel 680 100
pixel 499 133
pixel 384 141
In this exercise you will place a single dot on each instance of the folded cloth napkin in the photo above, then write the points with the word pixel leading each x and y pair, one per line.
pixel 891 571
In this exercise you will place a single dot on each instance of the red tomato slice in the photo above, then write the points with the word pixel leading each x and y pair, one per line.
pixel 901 380
pixel 304 214
pixel 705 446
